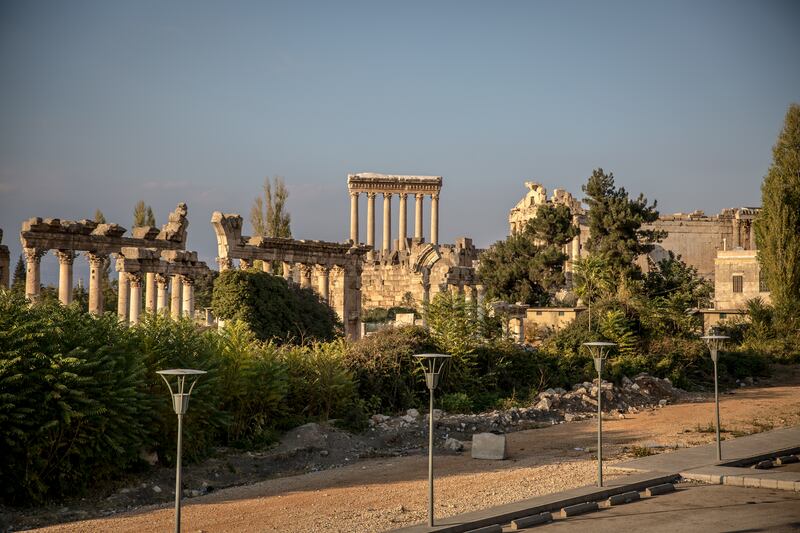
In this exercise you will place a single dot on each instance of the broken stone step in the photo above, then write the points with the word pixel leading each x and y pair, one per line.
pixel 533 520
pixel 580 508
pixel 660 489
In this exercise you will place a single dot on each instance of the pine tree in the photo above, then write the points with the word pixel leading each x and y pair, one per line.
pixel 615 225
pixel 778 224
pixel 18 285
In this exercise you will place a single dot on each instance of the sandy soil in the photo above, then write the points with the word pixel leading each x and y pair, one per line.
pixel 382 494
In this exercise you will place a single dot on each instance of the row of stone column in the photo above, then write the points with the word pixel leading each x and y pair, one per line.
pixel 307 274
pixel 156 295
pixel 387 219
pixel 66 258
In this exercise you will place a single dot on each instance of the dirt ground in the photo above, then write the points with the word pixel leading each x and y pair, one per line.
pixel 386 493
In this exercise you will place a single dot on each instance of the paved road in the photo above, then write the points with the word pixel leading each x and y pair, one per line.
pixel 704 508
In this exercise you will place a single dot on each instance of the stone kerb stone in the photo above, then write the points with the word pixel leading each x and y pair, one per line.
pixel 490 446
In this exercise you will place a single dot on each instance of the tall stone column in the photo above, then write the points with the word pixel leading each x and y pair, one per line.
pixel 752 231
pixel 305 276
pixel 136 296
pixel 351 296
pixel 371 220
pixel 97 263
pixel 266 266
pixel 188 297
pixel 150 292
pixel 287 271
pixel 65 260
pixel 402 229
pixel 354 217
pixel 33 258
pixel 123 301
pixel 176 298
pixel 435 218
pixel 387 222
pixel 481 292
pixel 162 282
pixel 419 197
pixel 737 239
pixel 323 279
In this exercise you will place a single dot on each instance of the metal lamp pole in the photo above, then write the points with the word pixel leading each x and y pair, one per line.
pixel 180 402
pixel 432 364
pixel 599 352
pixel 715 344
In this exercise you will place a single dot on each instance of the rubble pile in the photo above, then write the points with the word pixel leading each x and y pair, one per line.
pixel 552 406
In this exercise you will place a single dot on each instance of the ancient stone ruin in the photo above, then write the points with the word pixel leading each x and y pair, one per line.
pixel 405 269
pixel 149 251
pixel 308 259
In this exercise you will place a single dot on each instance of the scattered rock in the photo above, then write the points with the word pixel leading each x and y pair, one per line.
pixel 453 444
pixel 412 412
pixel 489 446
pixel 156 489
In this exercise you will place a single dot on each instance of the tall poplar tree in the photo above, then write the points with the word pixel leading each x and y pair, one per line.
pixel 778 224
pixel 268 215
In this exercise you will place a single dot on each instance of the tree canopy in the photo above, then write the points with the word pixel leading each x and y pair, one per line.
pixel 528 266
pixel 143 215
pixel 268 214
pixel 778 224
pixel 615 224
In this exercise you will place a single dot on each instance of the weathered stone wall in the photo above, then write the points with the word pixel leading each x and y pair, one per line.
pixel 732 263
pixel 696 241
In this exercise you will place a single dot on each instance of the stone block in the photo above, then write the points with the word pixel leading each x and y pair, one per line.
pixel 769 483
pixel 580 508
pixel 660 489
pixel 752 482
pixel 533 520
pixel 786 484
pixel 735 481
pixel 625 497
pixel 489 446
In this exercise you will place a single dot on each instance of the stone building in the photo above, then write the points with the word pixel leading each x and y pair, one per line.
pixel 407 269
pixel 737 279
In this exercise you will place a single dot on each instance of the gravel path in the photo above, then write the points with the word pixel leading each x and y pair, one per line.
pixel 381 494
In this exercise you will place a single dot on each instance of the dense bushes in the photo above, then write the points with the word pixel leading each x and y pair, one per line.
pixel 272 308
pixel 73 407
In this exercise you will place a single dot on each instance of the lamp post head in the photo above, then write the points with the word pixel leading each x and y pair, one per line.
pixel 180 396
pixel 715 343
pixel 432 365
pixel 599 351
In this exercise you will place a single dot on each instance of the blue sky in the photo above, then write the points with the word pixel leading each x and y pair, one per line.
pixel 105 103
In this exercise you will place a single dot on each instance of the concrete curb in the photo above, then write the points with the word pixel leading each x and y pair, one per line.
pixel 504 514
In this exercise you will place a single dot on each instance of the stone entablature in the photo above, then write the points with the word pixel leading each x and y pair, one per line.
pixel 98 241
pixel 380 183
pixel 301 259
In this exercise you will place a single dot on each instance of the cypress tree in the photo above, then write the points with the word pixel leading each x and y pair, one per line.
pixel 778 224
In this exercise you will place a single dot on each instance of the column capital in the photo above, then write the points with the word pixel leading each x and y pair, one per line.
pixel 225 263
pixel 435 196
pixel 354 194
pixel 402 195
pixel 305 269
pixel 322 269
pixel 96 260
pixel 33 255
pixel 419 196
pixel 187 281
pixel 65 257
pixel 388 195
pixel 162 279
pixel 134 278
pixel 371 195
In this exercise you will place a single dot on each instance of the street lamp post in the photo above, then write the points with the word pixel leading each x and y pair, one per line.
pixel 715 343
pixel 432 364
pixel 180 403
pixel 599 352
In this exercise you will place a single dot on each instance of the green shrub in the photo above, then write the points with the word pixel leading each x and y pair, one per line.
pixel 456 402
pixel 272 308
pixel 73 405
pixel 385 370
pixel 163 343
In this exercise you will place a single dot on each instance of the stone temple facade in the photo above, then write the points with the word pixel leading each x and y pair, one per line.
pixel 408 269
